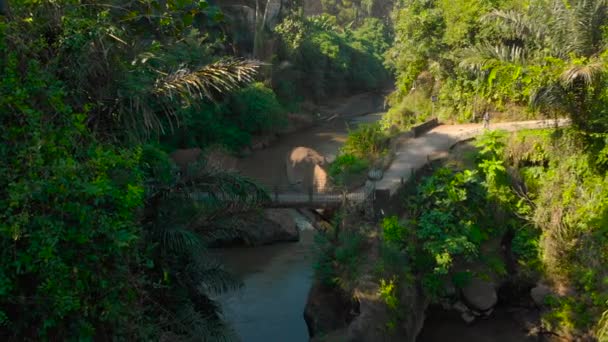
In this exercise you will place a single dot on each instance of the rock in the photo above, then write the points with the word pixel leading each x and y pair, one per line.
pixel 279 226
pixel 467 317
pixel 460 307
pixel 305 169
pixel 183 158
pixel 370 324
pixel 261 142
pixel 539 293
pixel 274 225
pixel 480 295
pixel 297 122
pixel 327 309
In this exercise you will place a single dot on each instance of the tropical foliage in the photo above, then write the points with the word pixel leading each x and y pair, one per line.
pixel 325 58
pixel 503 55
pixel 101 237
pixel 524 59
pixel 450 217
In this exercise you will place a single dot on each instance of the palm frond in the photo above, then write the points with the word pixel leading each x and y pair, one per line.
pixel 482 57
pixel 518 24
pixel 217 280
pixel 208 81
pixel 602 327
pixel 194 326
pixel 177 239
pixel 588 73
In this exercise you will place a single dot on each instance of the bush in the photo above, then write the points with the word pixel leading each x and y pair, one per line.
pixel 393 231
pixel 338 256
pixel 345 167
pixel 69 206
pixel 366 142
pixel 255 109
pixel 413 109
pixel 246 112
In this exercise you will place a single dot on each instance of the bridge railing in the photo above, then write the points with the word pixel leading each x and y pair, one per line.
pixel 318 195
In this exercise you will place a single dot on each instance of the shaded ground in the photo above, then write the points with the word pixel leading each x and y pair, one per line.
pixel 502 326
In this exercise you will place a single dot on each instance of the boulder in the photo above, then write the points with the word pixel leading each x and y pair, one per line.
pixel 328 309
pixel 370 324
pixel 273 226
pixel 276 225
pixel 262 141
pixel 539 293
pixel 306 169
pixel 467 317
pixel 480 295
pixel 297 122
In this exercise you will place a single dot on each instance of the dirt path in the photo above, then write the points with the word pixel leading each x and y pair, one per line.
pixel 412 154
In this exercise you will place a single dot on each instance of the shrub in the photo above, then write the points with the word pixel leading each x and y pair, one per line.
pixel 393 231
pixel 69 206
pixel 338 256
pixel 347 166
pixel 255 109
pixel 414 108
pixel 366 142
pixel 246 112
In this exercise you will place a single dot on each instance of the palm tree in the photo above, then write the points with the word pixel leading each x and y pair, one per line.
pixel 569 31
pixel 181 225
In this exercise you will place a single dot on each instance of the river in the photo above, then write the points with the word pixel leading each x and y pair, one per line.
pixel 276 278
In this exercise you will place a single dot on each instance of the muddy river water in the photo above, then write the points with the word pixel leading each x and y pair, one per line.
pixel 276 279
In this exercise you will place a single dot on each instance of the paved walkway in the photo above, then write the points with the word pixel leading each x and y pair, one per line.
pixel 412 153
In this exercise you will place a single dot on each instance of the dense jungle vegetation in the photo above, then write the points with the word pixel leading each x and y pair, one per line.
pixel 100 238
pixel 547 190
pixel 99 235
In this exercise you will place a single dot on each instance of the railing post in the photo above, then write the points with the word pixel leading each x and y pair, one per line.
pixel 276 194
pixel 402 181
pixel 310 189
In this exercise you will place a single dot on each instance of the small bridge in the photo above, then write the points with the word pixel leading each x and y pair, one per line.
pixel 315 198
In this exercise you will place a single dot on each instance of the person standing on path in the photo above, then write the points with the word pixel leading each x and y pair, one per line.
pixel 486 120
